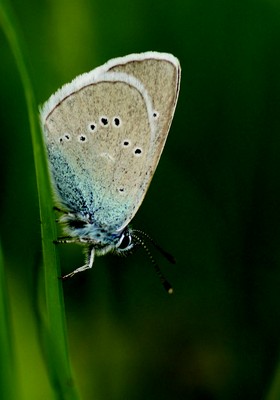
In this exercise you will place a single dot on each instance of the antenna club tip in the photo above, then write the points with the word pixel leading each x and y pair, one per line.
pixel 167 287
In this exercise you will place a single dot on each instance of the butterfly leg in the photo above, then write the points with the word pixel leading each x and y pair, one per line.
pixel 69 239
pixel 88 265
pixel 60 210
pixel 66 239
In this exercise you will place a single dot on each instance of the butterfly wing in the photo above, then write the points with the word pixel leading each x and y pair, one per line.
pixel 160 74
pixel 105 132
pixel 99 139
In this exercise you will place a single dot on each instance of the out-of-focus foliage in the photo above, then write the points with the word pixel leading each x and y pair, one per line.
pixel 214 203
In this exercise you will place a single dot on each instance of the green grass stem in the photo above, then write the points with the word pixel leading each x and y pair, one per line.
pixel 55 328
pixel 8 374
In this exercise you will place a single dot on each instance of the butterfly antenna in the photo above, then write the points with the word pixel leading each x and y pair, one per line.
pixel 162 278
pixel 167 255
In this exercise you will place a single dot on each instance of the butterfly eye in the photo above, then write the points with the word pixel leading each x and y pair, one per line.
pixel 76 224
pixel 125 242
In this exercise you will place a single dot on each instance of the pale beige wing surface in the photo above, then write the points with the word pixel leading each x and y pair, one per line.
pixel 99 141
pixel 160 75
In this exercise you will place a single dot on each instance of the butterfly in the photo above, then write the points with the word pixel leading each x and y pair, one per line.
pixel 104 134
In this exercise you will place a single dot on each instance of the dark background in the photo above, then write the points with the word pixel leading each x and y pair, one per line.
pixel 214 203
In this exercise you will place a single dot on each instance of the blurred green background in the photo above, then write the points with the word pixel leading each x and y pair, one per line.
pixel 214 203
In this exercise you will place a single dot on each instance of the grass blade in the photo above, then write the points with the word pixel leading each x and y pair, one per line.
pixel 55 327
pixel 7 363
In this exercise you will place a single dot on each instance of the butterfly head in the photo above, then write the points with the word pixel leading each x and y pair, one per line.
pixel 104 239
